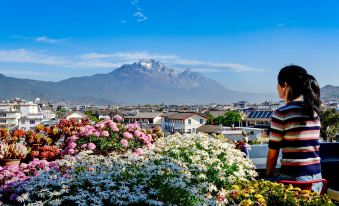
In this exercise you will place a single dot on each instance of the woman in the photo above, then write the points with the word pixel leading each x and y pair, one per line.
pixel 295 127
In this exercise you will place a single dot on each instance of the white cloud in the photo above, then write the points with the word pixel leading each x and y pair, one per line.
pixel 40 39
pixel 46 39
pixel 115 60
pixel 26 56
pixel 140 16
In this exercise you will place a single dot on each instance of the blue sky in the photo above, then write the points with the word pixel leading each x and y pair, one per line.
pixel 239 43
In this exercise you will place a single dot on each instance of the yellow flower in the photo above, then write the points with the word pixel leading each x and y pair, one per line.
pixel 235 187
pixel 258 196
pixel 246 203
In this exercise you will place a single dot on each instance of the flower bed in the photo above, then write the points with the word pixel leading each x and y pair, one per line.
pixel 116 164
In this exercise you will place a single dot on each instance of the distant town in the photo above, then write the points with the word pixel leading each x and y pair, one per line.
pixel 253 120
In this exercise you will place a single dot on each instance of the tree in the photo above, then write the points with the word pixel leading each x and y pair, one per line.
pixel 91 116
pixel 210 119
pixel 329 124
pixel 231 117
pixel 227 119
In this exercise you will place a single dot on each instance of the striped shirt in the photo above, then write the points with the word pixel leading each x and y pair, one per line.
pixel 298 137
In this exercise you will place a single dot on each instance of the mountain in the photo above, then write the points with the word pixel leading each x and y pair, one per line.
pixel 146 81
pixel 330 91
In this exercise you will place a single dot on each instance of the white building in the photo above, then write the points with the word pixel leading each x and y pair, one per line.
pixel 20 114
pixel 185 122
pixel 9 116
pixel 47 113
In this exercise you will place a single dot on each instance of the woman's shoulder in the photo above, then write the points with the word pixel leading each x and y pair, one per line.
pixel 291 106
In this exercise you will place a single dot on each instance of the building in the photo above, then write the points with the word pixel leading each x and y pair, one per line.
pixel 185 122
pixel 47 112
pixel 153 118
pixel 258 117
pixel 20 114
pixel 9 116
pixel 165 122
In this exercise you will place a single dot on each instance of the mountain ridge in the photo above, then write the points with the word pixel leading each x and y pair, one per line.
pixel 146 81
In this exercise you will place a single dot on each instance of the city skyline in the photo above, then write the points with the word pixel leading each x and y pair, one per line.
pixel 240 44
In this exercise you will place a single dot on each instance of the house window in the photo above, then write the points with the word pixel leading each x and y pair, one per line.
pixel 189 121
pixel 22 121
pixel 189 131
pixel 2 114
pixel 201 121
pixel 2 121
pixel 32 121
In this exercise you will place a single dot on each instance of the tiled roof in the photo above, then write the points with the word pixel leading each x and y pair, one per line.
pixel 167 114
pixel 144 115
pixel 209 128
pixel 184 115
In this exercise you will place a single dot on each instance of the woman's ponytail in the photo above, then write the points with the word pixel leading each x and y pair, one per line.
pixel 311 94
pixel 300 83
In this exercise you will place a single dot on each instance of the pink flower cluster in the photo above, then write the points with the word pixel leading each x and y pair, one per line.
pixel 99 129
pixel 71 145
pixel 9 175
pixel 117 118
pixel 89 146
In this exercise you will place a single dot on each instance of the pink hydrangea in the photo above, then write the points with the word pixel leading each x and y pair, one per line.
pixel 100 125
pixel 115 129
pixel 84 146
pixel 137 133
pixel 91 146
pixel 105 133
pixel 128 135
pixel 72 138
pixel 117 118
pixel 72 145
pixel 71 151
pixel 124 142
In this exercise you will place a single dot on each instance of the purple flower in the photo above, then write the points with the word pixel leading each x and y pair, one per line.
pixel 91 146
pixel 124 142
pixel 13 197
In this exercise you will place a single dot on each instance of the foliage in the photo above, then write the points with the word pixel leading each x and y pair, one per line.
pixel 270 193
pixel 45 152
pixel 330 124
pixel 229 118
pixel 91 116
pixel 12 151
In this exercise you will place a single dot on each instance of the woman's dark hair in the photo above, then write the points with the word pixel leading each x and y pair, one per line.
pixel 301 83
